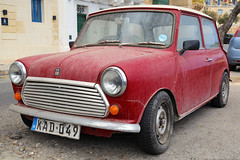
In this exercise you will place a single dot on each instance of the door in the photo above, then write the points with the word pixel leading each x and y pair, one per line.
pixel 194 68
pixel 80 21
pixel 215 54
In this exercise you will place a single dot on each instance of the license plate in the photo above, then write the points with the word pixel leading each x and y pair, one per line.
pixel 56 128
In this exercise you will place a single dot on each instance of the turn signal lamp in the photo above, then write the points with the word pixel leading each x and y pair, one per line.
pixel 18 96
pixel 114 110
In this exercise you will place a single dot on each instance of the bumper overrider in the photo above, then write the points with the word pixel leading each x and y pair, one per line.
pixel 77 120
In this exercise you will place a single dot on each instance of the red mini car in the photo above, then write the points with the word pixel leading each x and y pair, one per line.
pixel 132 69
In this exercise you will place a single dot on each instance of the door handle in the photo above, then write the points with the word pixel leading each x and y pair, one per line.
pixel 209 60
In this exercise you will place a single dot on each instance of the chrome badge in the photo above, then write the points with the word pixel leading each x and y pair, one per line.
pixel 57 71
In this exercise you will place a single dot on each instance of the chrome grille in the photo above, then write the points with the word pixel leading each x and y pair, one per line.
pixel 65 96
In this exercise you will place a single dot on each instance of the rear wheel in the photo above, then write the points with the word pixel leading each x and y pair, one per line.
pixel 222 97
pixel 156 125
pixel 26 121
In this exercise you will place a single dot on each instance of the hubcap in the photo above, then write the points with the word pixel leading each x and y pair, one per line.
pixel 161 122
pixel 225 87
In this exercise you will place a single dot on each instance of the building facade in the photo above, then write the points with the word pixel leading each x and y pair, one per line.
pixel 25 30
pixel 31 27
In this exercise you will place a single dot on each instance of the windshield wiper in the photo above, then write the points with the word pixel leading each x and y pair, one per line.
pixel 126 44
pixel 151 43
pixel 100 42
pixel 108 41
pixel 86 45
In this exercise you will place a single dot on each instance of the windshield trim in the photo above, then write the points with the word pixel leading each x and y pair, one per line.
pixel 137 45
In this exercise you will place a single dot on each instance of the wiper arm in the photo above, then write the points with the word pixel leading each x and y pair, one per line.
pixel 126 44
pixel 100 42
pixel 86 45
pixel 151 43
pixel 108 41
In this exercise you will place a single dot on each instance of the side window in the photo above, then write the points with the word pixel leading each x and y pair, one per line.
pixel 36 11
pixel 189 29
pixel 210 34
pixel 238 34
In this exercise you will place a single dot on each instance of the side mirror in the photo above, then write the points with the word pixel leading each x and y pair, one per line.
pixel 190 45
pixel 71 44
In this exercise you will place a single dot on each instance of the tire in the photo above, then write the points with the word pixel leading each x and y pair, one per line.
pixel 26 121
pixel 222 97
pixel 158 113
pixel 232 68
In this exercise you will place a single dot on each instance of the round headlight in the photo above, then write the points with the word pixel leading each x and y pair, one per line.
pixel 17 73
pixel 114 81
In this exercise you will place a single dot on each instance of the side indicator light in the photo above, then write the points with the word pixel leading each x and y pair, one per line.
pixel 114 110
pixel 18 96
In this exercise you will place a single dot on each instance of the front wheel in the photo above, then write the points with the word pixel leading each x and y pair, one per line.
pixel 222 97
pixel 157 124
pixel 26 121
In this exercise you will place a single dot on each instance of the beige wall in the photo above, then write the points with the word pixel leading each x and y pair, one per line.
pixel 22 37
pixel 182 3
pixel 225 9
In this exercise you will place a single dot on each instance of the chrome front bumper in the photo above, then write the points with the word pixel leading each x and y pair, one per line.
pixel 82 121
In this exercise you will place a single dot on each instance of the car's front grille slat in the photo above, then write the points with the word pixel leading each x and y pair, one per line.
pixel 63 92
pixel 64 110
pixel 65 96
pixel 64 102
pixel 60 86
pixel 62 106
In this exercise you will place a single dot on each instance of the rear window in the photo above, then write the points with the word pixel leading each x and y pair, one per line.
pixel 210 34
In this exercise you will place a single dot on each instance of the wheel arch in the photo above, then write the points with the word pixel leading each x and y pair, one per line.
pixel 173 99
pixel 171 95
pixel 226 70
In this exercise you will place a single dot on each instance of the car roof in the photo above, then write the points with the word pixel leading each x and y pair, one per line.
pixel 170 7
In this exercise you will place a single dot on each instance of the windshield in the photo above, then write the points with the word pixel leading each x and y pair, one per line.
pixel 128 28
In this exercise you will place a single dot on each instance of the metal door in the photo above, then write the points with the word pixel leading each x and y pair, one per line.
pixel 80 21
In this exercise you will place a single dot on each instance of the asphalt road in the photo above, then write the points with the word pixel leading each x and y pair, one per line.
pixel 6 93
pixel 208 133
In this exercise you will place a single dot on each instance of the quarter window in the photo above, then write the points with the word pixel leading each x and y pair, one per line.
pixel 189 29
pixel 36 11
pixel 210 34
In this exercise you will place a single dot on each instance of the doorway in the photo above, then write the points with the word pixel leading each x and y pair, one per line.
pixel 80 21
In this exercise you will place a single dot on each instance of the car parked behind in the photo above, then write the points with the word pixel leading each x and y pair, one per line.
pixel 227 38
pixel 234 51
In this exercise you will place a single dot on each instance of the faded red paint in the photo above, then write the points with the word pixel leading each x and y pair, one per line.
pixel 189 79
